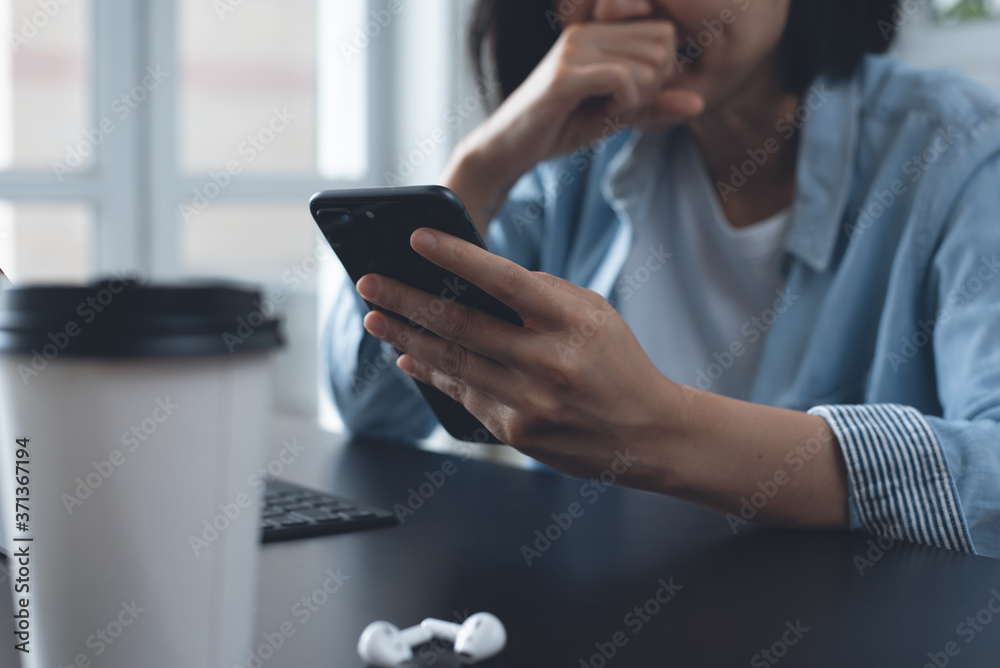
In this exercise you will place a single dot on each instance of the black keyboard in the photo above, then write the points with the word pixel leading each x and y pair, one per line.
pixel 292 512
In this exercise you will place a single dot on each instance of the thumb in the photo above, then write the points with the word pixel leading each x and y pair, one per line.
pixel 671 106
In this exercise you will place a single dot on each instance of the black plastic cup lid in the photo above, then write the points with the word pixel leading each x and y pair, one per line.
pixel 122 317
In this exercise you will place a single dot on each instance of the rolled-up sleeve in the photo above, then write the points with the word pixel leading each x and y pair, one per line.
pixel 935 478
pixel 899 481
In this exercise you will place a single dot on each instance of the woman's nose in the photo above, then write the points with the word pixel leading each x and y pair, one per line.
pixel 620 10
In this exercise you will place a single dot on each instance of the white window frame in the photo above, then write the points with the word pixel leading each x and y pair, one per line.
pixel 135 182
pixel 110 186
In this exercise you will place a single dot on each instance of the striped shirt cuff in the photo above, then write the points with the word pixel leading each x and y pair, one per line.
pixel 897 474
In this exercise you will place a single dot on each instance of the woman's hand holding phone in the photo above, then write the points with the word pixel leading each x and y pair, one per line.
pixel 532 386
pixel 574 389
pixel 597 76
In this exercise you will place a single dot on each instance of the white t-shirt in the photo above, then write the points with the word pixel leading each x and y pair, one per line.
pixel 698 293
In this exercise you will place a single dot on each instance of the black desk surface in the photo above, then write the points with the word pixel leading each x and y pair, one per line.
pixel 735 595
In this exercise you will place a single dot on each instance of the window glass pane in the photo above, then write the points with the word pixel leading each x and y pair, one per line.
pixel 348 34
pixel 960 40
pixel 248 85
pixel 965 10
pixel 277 243
pixel 47 243
pixel 45 81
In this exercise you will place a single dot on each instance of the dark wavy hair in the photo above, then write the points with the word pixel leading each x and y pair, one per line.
pixel 823 37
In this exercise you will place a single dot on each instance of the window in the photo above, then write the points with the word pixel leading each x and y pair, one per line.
pixel 966 10
pixel 46 105
pixel 952 34
pixel 182 138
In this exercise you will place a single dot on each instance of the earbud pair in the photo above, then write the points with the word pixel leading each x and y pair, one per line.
pixel 481 637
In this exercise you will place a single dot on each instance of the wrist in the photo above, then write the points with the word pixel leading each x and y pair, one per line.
pixel 681 428
pixel 667 435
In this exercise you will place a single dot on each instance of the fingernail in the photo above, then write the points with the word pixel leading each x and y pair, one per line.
pixel 368 287
pixel 375 324
pixel 405 362
pixel 423 240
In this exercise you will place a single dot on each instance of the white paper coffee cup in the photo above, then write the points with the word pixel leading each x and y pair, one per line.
pixel 145 430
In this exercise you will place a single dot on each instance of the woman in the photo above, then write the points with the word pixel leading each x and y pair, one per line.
pixel 770 274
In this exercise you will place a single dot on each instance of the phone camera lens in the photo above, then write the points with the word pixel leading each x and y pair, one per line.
pixel 337 217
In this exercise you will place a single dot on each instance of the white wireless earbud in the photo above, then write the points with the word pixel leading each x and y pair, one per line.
pixel 441 630
pixel 382 644
pixel 482 636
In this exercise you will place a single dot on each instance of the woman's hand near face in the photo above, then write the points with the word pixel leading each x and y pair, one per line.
pixel 598 78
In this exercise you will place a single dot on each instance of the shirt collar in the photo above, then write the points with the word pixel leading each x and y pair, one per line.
pixel 827 151
pixel 823 177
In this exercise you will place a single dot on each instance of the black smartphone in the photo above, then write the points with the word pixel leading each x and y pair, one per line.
pixel 369 229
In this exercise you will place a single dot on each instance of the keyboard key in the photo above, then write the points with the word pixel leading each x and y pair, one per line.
pixel 289 512
pixel 335 507
pixel 289 520
pixel 314 514
pixel 298 505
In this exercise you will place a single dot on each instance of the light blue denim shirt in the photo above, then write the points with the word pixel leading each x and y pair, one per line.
pixel 895 334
